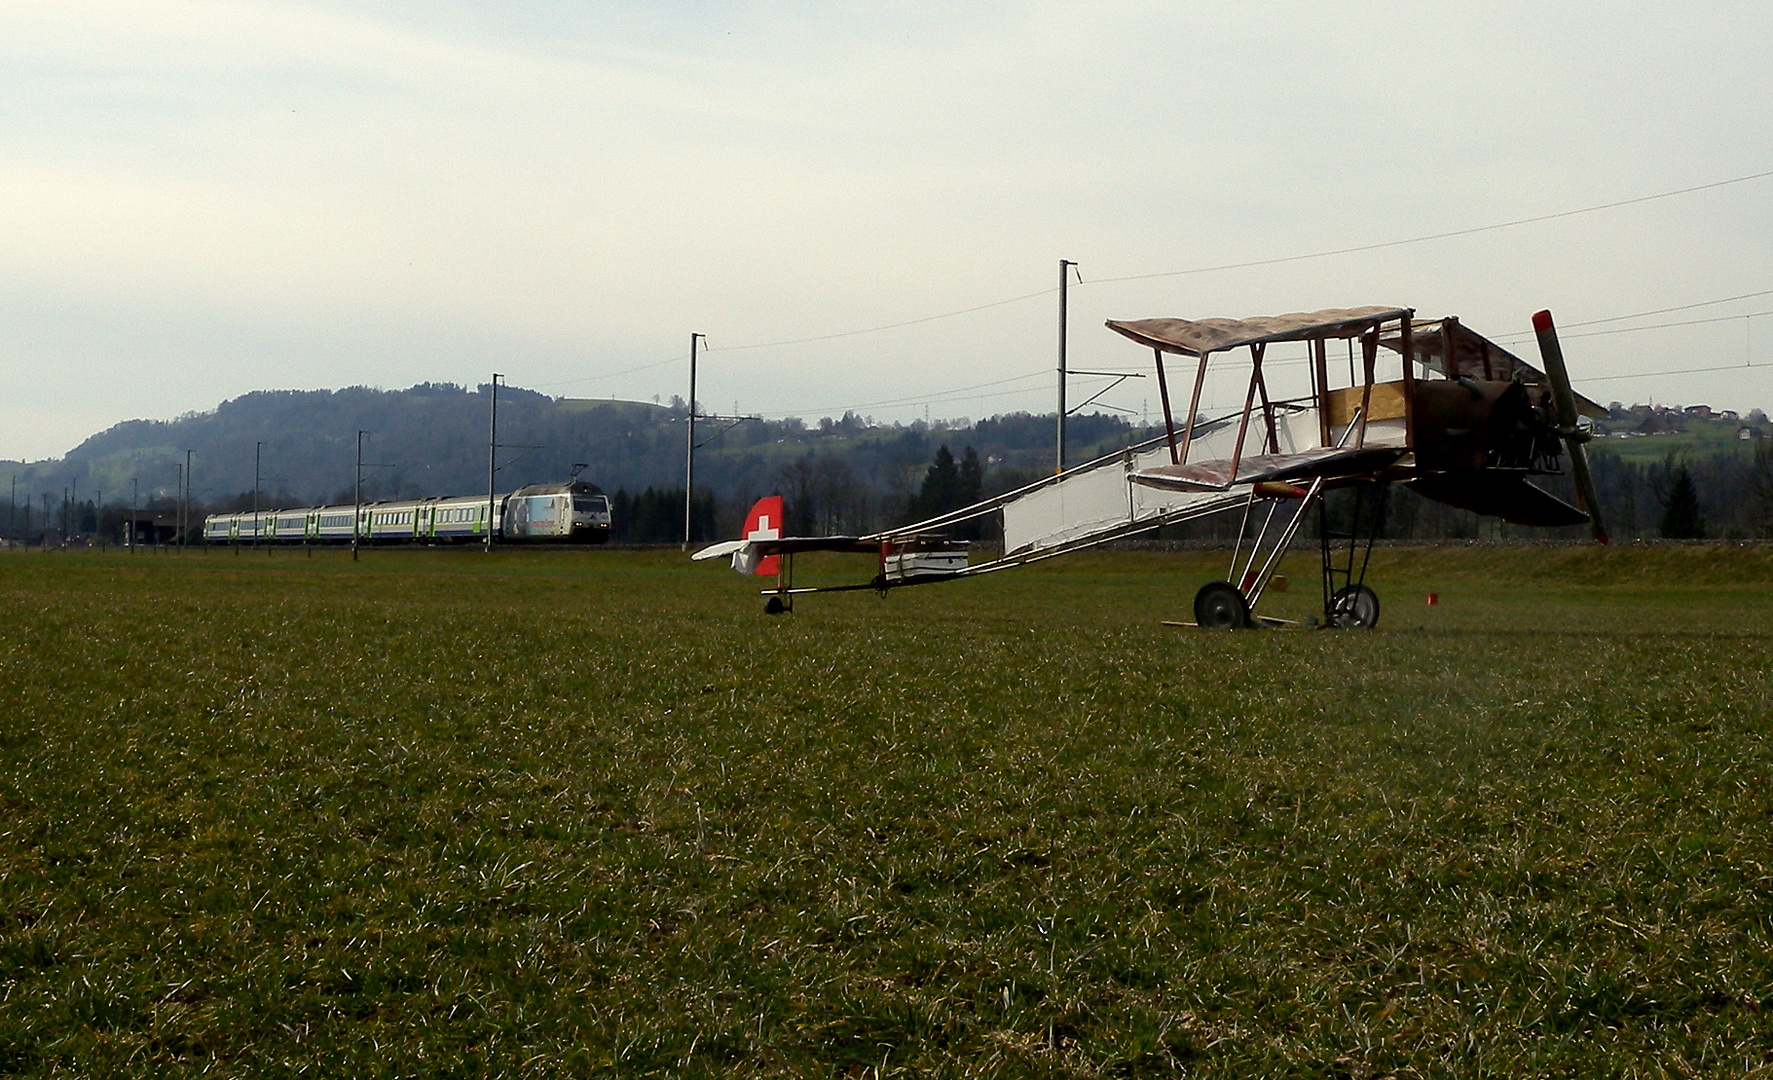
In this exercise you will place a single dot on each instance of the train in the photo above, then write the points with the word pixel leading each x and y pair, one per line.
pixel 570 513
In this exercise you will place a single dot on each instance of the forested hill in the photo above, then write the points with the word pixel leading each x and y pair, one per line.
pixel 1660 471
pixel 431 439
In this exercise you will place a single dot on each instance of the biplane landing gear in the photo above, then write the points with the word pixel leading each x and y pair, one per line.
pixel 1355 607
pixel 1219 605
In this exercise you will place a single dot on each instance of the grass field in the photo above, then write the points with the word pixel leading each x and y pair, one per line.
pixel 592 813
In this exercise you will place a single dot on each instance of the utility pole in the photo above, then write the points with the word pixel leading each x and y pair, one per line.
pixel 46 521
pixel 256 447
pixel 1064 315
pixel 185 505
pixel 12 511
pixel 135 500
pixel 689 454
pixel 357 499
pixel 492 453
pixel 71 519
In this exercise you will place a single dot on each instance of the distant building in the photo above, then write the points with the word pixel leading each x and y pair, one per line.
pixel 1703 412
pixel 149 529
pixel 1747 432
pixel 1728 414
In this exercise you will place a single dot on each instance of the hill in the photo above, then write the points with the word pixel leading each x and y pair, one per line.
pixel 431 439
pixel 843 474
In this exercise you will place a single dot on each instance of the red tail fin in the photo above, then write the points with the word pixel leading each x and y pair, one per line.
pixel 764 522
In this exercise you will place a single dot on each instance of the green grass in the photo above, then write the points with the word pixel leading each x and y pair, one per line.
pixel 592 813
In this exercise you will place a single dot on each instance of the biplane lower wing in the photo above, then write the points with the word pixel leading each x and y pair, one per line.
pixel 1328 462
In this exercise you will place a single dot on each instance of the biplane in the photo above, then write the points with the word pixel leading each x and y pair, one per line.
pixel 1429 404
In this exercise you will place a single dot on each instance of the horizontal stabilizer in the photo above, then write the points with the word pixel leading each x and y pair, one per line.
pixel 1328 462
pixel 788 545
pixel 1499 494
pixel 716 551
pixel 748 554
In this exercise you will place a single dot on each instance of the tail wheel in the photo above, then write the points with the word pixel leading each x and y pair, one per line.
pixel 1354 608
pixel 1220 606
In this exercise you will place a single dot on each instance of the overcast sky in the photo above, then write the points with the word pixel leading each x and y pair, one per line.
pixel 202 198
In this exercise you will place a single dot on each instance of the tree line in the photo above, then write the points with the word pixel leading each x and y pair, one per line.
pixel 843 475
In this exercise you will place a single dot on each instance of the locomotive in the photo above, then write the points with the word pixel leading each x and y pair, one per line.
pixel 574 512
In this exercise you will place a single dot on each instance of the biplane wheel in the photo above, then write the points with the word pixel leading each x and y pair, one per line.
pixel 774 606
pixel 1220 606
pixel 1355 607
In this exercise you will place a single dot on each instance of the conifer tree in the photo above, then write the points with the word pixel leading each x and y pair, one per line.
pixel 1681 519
pixel 941 486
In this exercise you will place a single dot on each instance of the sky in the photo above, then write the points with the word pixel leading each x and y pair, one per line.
pixel 202 198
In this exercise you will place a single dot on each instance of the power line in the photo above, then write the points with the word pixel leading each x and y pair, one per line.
pixel 928 399
pixel 1647 314
pixel 1666 325
pixel 1679 307
pixel 1265 262
pixel 1672 371
pixel 1440 235
pixel 1427 238
pixel 887 326
pixel 679 358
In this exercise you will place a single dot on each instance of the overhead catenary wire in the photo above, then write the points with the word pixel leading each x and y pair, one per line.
pixel 1448 235
pixel 1511 338
pixel 1274 261
pixel 1668 325
pixel 886 326
pixel 678 359
pixel 1659 374
pixel 1214 268
pixel 932 398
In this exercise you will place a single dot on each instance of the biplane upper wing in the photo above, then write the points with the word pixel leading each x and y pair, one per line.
pixel 1328 462
pixel 1200 337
